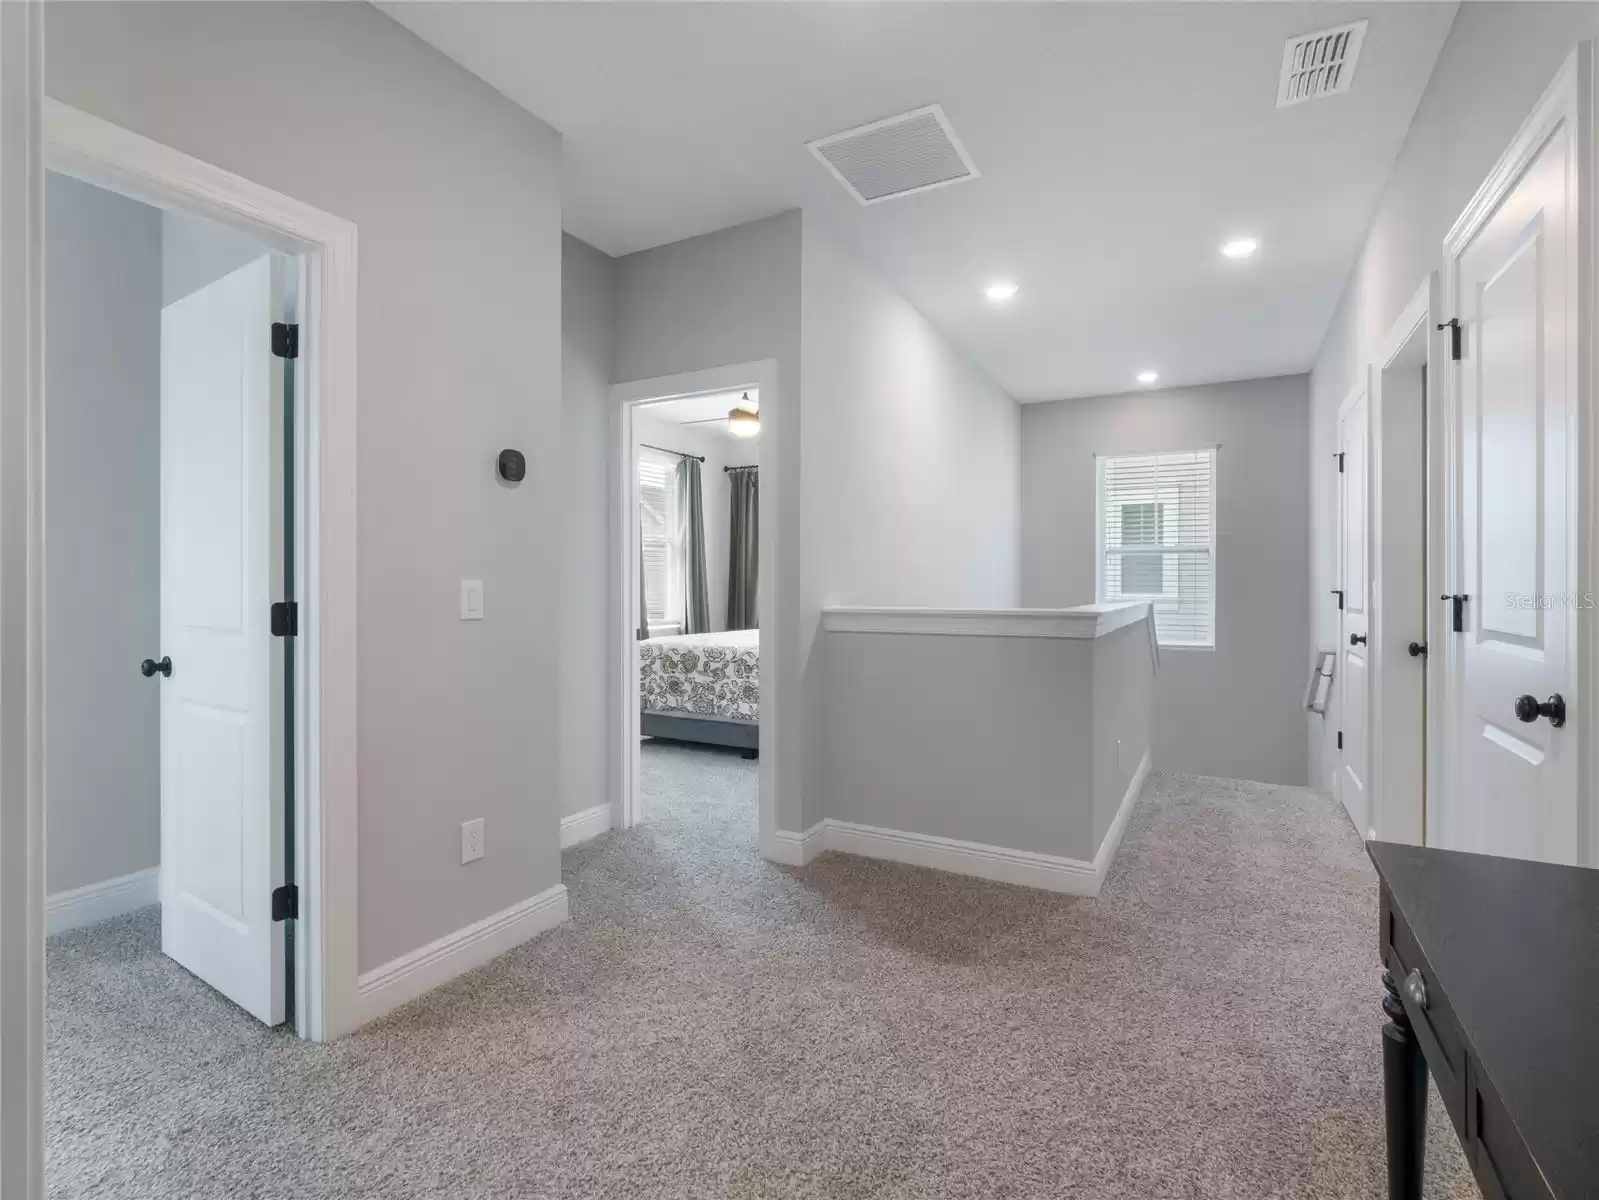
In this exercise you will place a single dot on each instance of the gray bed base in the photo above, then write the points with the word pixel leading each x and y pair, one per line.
pixel 708 731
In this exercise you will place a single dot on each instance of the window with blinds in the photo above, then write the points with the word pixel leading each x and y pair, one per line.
pixel 657 505
pixel 1156 530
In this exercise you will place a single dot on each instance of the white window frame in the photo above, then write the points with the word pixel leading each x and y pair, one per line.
pixel 1100 459
pixel 675 565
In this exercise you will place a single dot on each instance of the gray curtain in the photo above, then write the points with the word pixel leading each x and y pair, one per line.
pixel 743 548
pixel 691 515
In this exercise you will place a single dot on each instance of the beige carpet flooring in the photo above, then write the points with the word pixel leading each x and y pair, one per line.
pixel 710 1025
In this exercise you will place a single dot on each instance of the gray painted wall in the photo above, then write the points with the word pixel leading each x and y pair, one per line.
pixel 196 252
pixel 911 456
pixel 589 745
pixel 734 297
pixel 1497 62
pixel 1233 711
pixel 1004 741
pixel 102 385
pixel 455 192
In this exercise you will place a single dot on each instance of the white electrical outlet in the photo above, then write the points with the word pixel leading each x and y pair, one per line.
pixel 471 840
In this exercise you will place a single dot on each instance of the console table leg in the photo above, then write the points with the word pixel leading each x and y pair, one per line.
pixel 1404 1085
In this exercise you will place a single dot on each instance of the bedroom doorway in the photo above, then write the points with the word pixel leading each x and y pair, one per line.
pixel 695 542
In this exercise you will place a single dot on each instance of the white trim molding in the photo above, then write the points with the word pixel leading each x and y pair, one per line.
pixel 796 849
pixel 85 146
pixel 579 827
pixel 77 907
pixel 1026 868
pixel 1084 621
pixel 402 980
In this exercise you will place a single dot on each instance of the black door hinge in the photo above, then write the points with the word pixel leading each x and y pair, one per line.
pixel 286 903
pixel 1453 326
pixel 1340 457
pixel 1457 616
pixel 1339 592
pixel 1340 739
pixel 285 619
pixel 285 340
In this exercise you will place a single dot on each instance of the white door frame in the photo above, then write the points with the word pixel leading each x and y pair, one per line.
pixel 92 149
pixel 626 399
pixel 1569 100
pixel 1361 389
pixel 1393 818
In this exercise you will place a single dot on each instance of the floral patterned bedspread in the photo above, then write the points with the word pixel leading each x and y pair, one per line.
pixel 707 674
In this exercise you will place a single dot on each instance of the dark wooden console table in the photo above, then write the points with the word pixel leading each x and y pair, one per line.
pixel 1491 975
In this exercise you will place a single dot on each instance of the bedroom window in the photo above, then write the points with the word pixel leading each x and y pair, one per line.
pixel 658 536
pixel 1156 531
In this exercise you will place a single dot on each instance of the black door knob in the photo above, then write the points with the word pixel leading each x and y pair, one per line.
pixel 150 667
pixel 1528 709
pixel 1417 649
pixel 1357 639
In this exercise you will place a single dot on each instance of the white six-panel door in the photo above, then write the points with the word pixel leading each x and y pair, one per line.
pixel 1353 670
pixel 221 813
pixel 1512 787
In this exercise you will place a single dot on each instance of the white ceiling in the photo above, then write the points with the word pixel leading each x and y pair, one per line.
pixel 706 409
pixel 1119 145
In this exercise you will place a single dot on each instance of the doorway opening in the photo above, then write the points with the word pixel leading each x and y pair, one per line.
pixel 1405 613
pixel 696 535
pixel 170 447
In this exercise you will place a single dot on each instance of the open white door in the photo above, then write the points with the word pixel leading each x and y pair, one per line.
pixel 1354 686
pixel 221 797
pixel 1514 264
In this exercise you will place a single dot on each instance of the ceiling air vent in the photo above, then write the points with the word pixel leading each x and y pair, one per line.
pixel 1319 64
pixel 896 157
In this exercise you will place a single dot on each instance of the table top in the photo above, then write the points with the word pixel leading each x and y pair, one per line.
pixel 1514 946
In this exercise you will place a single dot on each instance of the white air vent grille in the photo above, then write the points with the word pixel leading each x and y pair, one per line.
pixel 909 153
pixel 1319 64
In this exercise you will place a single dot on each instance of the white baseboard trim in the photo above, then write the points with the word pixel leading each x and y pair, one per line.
pixel 411 975
pixel 101 901
pixel 1026 868
pixel 1118 824
pixel 579 827
pixel 796 849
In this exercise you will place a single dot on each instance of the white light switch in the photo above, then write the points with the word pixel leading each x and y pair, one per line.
pixel 471 599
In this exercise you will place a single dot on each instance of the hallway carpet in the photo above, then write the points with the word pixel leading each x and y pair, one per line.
pixel 710 1025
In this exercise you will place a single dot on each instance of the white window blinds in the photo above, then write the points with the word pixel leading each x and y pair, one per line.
pixel 657 503
pixel 1156 529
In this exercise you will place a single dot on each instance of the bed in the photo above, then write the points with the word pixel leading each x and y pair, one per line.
pixel 702 687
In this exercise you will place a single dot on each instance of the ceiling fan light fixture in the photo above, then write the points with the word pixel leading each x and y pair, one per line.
pixel 742 420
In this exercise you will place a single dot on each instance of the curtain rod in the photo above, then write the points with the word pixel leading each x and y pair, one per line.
pixel 679 453
pixel 745 467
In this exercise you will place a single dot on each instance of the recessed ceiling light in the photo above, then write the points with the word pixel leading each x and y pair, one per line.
pixel 1000 291
pixel 1241 247
pixel 1148 376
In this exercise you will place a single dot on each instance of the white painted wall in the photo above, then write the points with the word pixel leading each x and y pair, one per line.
pixel 1496 63
pixel 455 193
pixel 102 386
pixel 1233 711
